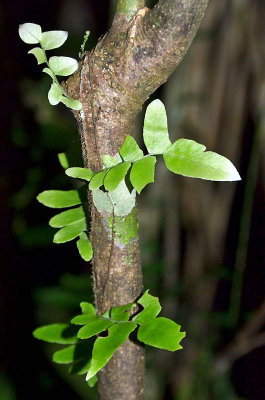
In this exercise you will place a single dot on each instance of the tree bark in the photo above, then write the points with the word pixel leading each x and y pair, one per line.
pixel 135 57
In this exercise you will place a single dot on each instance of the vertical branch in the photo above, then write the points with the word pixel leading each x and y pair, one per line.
pixel 128 7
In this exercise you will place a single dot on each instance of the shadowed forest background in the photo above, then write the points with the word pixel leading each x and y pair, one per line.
pixel 202 242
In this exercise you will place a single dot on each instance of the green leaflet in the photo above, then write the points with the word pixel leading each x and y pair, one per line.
pixel 122 313
pixel 142 172
pixel 189 158
pixel 109 161
pixel 93 328
pixel 151 309
pixel 71 103
pixel 63 66
pixel 67 217
pixel 87 308
pixel 98 179
pixel 55 94
pixel 123 201
pixel 70 232
pixel 85 319
pixel 59 198
pixel 102 201
pixel 162 333
pixel 53 39
pixel 56 333
pixel 30 33
pixel 63 160
pixel 130 151
pixel 155 132
pixel 116 175
pixel 80 173
pixel 39 54
pixel 104 347
pixel 84 247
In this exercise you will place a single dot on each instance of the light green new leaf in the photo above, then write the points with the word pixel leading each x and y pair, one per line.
pixel 39 54
pixel 59 198
pixel 162 333
pixel 30 33
pixel 130 151
pixel 142 172
pixel 123 201
pixel 93 328
pixel 102 201
pixel 122 313
pixel 63 66
pixel 98 179
pixel 109 161
pixel 55 94
pixel 67 217
pixel 189 158
pixel 151 309
pixel 63 160
pixel 155 131
pixel 70 232
pixel 53 39
pixel 84 319
pixel 49 72
pixel 71 103
pixel 56 333
pixel 87 308
pixel 84 247
pixel 116 175
pixel 79 353
pixel 80 173
pixel 104 347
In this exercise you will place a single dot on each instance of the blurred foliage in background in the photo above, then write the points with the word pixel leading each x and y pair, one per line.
pixel 202 242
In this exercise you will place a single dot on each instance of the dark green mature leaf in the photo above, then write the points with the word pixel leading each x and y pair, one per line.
pixel 53 39
pixel 30 33
pixel 63 66
pixel 80 173
pixel 59 198
pixel 39 54
pixel 116 175
pixel 56 333
pixel 189 158
pixel 93 328
pixel 122 313
pixel 104 347
pixel 142 172
pixel 155 132
pixel 84 247
pixel 67 217
pixel 130 151
pixel 151 309
pixel 162 333
pixel 70 232
pixel 98 179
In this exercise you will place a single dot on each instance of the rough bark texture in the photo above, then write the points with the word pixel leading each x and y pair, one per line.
pixel 134 58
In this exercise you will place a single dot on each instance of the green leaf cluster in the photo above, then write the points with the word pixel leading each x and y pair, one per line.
pixel 56 66
pixel 185 157
pixel 89 356
pixel 72 222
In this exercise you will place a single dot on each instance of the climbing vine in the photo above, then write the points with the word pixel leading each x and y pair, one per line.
pixel 113 190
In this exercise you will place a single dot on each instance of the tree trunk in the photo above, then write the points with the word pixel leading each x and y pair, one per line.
pixel 135 57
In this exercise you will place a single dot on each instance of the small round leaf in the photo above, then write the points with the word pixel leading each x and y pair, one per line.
pixel 30 33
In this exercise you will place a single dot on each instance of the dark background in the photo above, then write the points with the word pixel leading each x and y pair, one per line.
pixel 201 241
